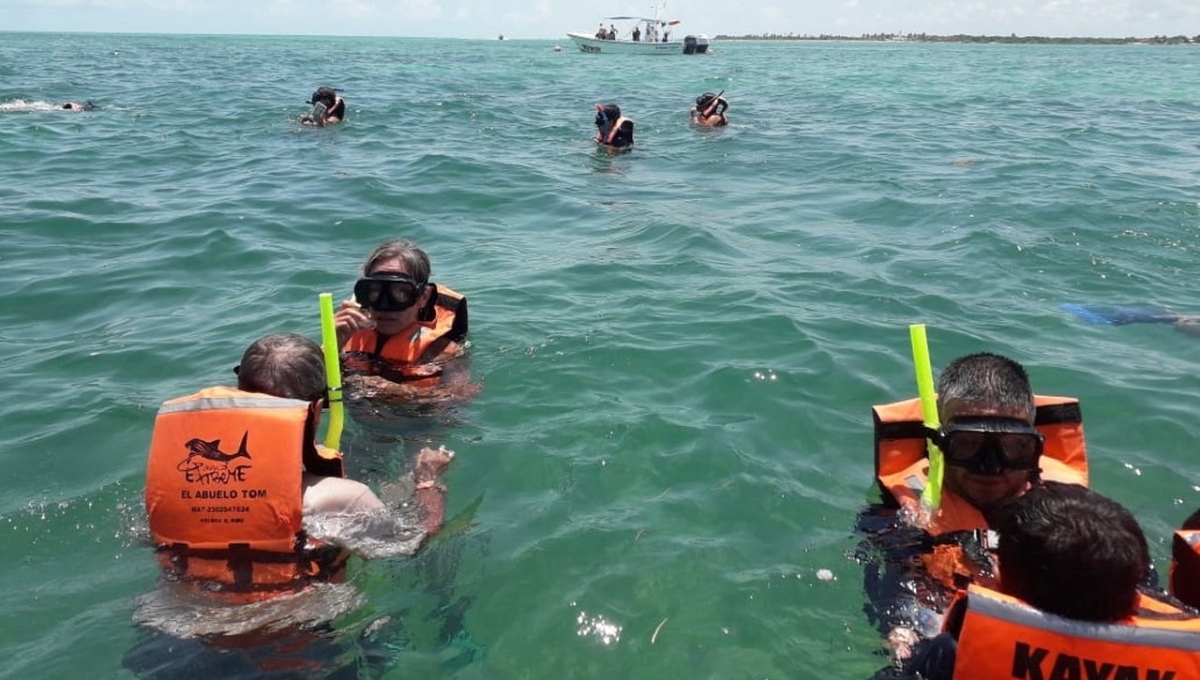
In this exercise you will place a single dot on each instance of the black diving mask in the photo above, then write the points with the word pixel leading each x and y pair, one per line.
pixel 387 292
pixel 989 445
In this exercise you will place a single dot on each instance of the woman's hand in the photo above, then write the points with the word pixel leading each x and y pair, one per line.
pixel 350 319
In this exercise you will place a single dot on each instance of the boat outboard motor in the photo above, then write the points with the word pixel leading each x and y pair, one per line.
pixel 695 44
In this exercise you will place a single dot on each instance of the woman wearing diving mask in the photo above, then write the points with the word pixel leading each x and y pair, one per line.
pixel 613 131
pixel 400 325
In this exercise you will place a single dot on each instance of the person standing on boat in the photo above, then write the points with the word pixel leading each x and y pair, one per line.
pixel 601 33
pixel 612 32
pixel 613 130
pixel 637 34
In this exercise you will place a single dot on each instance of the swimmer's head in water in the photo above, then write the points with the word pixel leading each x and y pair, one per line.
pixel 704 100
pixel 607 113
pixel 324 95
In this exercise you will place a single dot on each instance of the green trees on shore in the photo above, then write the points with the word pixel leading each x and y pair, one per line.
pixel 962 38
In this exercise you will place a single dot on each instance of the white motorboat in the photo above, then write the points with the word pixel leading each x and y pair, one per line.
pixel 638 35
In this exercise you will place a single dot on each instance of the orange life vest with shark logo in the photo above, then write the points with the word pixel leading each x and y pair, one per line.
pixel 224 491
pixel 408 356
pixel 901 467
pixel 1185 567
pixel 1002 638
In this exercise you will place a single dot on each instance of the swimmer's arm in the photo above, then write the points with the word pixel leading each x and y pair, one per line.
pixel 891 566
pixel 429 494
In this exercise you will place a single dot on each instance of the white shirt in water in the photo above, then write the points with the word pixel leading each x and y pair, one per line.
pixel 348 514
pixel 338 495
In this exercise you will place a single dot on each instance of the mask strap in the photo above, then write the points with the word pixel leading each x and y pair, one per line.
pixel 429 311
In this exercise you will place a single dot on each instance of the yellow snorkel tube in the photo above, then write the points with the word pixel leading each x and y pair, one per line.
pixel 931 495
pixel 333 373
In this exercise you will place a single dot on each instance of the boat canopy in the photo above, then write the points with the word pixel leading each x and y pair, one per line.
pixel 669 22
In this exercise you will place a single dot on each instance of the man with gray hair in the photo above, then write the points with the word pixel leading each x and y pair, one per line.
pixel 243 502
pixel 992 452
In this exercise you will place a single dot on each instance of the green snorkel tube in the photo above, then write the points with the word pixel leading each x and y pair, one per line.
pixel 333 373
pixel 931 495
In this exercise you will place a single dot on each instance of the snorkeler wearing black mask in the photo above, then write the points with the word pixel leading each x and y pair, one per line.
pixel 613 131
pixel 328 108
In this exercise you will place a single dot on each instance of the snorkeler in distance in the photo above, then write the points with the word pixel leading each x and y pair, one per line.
pixel 709 110
pixel 1106 315
pixel 613 131
pixel 328 108
pixel 77 106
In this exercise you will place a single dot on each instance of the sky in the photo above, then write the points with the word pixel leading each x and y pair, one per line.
pixel 551 19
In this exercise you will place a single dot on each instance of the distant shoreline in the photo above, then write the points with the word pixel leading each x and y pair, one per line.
pixel 1010 39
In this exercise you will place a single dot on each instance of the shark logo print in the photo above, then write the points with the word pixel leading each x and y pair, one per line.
pixel 207 464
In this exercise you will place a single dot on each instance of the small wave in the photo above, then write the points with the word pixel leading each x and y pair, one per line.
pixel 29 106
pixel 185 613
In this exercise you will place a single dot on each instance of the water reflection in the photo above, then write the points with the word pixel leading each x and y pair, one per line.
pixel 186 634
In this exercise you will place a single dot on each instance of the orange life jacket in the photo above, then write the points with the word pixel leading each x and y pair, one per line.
pixel 1185 567
pixel 611 136
pixel 224 491
pixel 1003 638
pixel 901 467
pixel 442 322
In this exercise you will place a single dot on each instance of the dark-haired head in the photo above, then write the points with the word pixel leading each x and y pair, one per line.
pixel 1069 551
pixel 325 95
pixel 989 381
pixel 609 111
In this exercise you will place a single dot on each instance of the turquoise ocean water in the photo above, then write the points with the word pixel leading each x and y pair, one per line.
pixel 677 347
